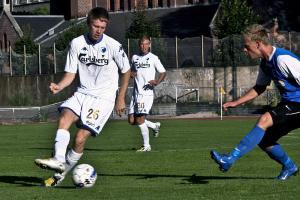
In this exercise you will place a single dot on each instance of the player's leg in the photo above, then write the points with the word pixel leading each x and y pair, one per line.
pixel 246 144
pixel 154 126
pixel 275 151
pixel 140 120
pixel 57 163
pixel 73 156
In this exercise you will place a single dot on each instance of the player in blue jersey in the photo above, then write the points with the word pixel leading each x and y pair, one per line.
pixel 283 68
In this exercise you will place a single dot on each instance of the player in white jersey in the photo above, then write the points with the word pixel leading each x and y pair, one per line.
pixel 97 58
pixel 144 67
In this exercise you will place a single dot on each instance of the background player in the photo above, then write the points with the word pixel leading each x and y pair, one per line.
pixel 283 67
pixel 97 58
pixel 144 67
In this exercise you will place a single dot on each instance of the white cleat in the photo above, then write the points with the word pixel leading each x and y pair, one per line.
pixel 144 149
pixel 156 129
pixel 51 164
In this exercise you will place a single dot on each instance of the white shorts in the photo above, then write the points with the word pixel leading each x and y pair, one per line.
pixel 92 111
pixel 140 104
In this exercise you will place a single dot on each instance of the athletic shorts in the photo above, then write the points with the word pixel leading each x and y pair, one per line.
pixel 93 112
pixel 140 104
pixel 286 117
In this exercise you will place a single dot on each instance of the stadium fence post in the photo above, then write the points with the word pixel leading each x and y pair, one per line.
pixel 25 72
pixel 39 59
pixel 10 61
pixel 54 58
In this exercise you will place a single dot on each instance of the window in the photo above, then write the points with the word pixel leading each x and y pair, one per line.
pixel 129 4
pixel 160 3
pixel 122 5
pixel 169 3
pixel 150 4
pixel 112 5
pixel 5 42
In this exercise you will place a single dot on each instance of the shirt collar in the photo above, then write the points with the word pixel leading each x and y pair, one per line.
pixel 272 54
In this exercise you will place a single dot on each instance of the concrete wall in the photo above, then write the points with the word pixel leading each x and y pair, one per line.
pixel 33 90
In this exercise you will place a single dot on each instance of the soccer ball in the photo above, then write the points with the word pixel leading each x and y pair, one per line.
pixel 84 176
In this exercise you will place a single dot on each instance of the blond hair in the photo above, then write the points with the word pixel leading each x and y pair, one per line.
pixel 257 32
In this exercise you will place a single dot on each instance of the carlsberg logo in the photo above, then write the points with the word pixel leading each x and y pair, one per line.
pixel 89 60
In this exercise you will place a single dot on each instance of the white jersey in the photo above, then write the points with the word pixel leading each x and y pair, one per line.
pixel 97 65
pixel 145 67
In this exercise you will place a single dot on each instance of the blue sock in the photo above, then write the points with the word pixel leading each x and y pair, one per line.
pixel 248 142
pixel 279 155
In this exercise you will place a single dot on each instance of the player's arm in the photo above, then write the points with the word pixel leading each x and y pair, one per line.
pixel 65 82
pixel 157 81
pixel 261 84
pixel 120 104
pixel 162 72
pixel 250 95
pixel 122 62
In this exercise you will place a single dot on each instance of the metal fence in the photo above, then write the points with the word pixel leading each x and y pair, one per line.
pixel 173 52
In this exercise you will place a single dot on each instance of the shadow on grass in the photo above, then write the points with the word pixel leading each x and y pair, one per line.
pixel 194 179
pixel 28 181
pixel 91 149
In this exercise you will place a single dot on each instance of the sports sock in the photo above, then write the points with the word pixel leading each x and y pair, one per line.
pixel 279 155
pixel 150 124
pixel 62 140
pixel 145 134
pixel 72 160
pixel 248 142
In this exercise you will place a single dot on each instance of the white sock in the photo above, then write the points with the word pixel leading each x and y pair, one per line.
pixel 62 140
pixel 145 134
pixel 72 160
pixel 150 124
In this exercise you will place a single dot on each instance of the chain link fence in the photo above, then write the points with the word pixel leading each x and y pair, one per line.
pixel 173 52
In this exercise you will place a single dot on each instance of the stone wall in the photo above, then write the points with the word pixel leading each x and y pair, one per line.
pixel 33 90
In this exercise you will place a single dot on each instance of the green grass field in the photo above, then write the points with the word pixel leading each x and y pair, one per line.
pixel 178 167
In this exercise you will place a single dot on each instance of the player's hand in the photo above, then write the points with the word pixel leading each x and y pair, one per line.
pixel 54 88
pixel 153 82
pixel 230 104
pixel 148 87
pixel 120 107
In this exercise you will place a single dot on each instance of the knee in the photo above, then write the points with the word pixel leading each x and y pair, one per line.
pixel 131 119
pixel 265 121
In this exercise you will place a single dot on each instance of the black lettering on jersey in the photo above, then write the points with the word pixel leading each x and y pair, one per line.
pixel 88 60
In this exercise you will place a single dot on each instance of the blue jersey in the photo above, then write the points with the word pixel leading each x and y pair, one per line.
pixel 283 67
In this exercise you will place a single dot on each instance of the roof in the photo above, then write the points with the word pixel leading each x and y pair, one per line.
pixel 186 21
pixel 40 24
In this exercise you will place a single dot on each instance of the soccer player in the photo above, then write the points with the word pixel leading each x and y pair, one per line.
pixel 97 58
pixel 144 67
pixel 283 67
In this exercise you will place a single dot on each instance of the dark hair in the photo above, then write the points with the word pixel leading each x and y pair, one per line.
pixel 97 13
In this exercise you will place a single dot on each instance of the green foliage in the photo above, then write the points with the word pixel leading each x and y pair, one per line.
pixel 41 11
pixel 233 17
pixel 31 47
pixel 142 25
pixel 75 30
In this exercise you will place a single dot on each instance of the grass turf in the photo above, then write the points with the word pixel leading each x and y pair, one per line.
pixel 178 167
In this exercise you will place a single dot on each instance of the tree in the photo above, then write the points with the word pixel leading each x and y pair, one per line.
pixel 142 25
pixel 64 39
pixel 31 47
pixel 233 17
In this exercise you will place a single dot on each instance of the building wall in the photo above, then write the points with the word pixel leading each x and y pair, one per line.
pixel 80 8
pixel 8 35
